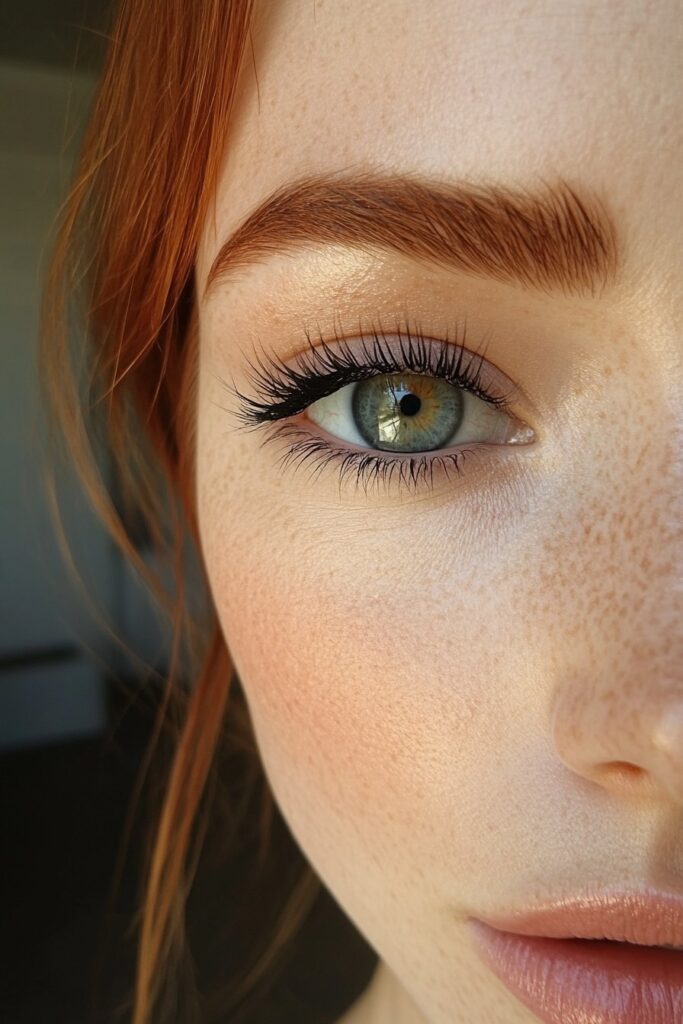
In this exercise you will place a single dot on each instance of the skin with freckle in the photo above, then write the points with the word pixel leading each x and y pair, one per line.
pixel 467 699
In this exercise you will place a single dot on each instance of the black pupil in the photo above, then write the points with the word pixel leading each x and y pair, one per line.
pixel 410 405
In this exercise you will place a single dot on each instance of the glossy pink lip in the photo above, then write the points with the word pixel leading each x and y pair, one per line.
pixel 645 917
pixel 556 962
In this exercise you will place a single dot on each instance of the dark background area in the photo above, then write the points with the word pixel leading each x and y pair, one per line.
pixel 76 711
pixel 55 33
pixel 68 947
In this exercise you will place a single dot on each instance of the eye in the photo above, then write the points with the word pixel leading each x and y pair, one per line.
pixel 405 402
pixel 409 412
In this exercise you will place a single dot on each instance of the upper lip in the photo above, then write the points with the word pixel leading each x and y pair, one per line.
pixel 643 917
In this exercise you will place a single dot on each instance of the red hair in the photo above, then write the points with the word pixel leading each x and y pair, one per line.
pixel 126 248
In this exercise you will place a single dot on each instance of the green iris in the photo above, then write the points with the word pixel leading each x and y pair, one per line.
pixel 407 412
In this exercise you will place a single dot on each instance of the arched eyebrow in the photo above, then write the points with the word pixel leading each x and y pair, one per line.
pixel 556 236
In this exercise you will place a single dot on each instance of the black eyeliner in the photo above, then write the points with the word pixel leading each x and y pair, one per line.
pixel 284 391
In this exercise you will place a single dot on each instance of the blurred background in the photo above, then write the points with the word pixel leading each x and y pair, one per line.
pixel 70 733
pixel 77 710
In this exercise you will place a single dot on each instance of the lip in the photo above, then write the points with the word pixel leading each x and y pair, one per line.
pixel 595 957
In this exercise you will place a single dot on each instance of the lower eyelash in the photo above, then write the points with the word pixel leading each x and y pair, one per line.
pixel 284 391
pixel 368 467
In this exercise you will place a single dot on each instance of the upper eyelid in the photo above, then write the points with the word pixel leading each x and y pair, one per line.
pixel 271 375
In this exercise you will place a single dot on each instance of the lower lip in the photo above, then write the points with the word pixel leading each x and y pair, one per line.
pixel 572 981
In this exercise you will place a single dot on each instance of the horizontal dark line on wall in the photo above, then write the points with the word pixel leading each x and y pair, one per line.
pixel 38 656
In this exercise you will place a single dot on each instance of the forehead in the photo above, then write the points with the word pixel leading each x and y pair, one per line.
pixel 503 91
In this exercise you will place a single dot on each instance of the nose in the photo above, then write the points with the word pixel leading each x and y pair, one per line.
pixel 617 714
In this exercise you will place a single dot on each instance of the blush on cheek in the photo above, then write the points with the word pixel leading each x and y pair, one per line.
pixel 331 742
pixel 347 730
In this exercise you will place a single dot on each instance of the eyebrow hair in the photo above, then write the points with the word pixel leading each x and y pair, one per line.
pixel 556 236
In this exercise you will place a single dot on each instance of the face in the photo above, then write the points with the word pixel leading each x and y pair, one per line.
pixel 458 621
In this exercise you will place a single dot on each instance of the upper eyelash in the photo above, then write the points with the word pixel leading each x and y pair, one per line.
pixel 284 391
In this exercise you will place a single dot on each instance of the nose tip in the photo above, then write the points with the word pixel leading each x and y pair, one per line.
pixel 668 733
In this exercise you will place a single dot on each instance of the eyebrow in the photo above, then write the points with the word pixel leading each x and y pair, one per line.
pixel 555 236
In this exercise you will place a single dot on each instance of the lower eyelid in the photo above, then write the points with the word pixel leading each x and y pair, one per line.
pixel 317 452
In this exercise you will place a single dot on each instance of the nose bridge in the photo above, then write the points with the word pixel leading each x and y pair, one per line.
pixel 617 717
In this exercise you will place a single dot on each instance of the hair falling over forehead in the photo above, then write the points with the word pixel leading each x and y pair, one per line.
pixel 126 246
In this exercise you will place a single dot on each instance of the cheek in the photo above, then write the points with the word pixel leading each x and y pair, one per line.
pixel 373 673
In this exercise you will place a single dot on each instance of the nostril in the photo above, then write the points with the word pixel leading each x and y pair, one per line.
pixel 634 781
pixel 624 772
pixel 625 768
